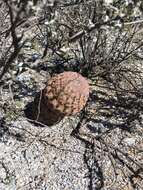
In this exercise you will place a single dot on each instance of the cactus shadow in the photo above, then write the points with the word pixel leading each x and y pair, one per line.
pixel 41 116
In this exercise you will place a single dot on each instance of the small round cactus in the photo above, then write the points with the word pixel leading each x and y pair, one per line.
pixel 64 94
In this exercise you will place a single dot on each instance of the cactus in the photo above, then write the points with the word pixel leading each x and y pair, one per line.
pixel 65 94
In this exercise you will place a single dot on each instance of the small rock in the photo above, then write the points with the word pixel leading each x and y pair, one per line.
pixel 129 141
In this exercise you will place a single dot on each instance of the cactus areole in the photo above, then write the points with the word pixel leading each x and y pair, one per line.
pixel 67 93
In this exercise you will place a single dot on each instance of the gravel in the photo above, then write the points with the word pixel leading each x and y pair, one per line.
pixel 41 158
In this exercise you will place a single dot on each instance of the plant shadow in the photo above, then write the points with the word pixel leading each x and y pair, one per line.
pixel 104 118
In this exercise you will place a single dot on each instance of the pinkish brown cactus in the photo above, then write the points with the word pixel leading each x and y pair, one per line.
pixel 64 94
